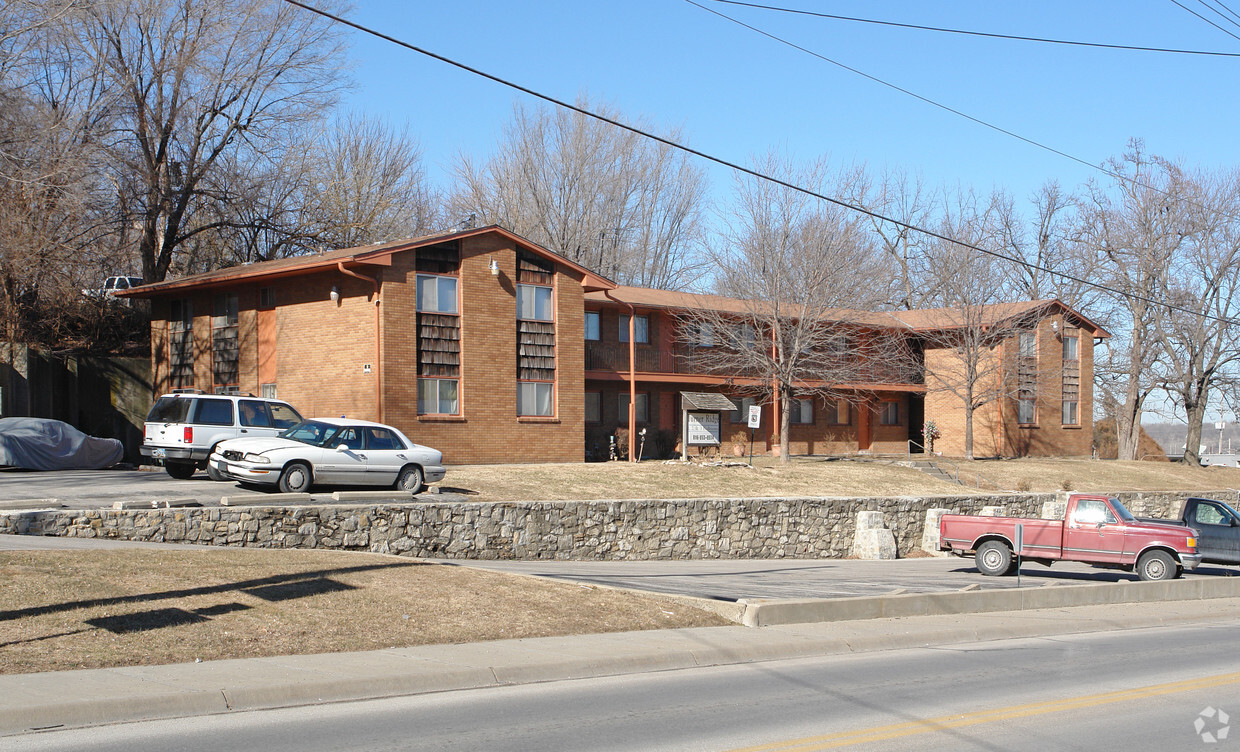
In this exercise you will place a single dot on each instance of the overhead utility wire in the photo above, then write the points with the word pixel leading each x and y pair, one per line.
pixel 1203 18
pixel 745 170
pixel 991 35
pixel 1228 17
pixel 1227 8
pixel 1110 173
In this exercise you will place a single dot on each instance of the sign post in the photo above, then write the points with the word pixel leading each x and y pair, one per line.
pixel 755 420
pixel 1020 546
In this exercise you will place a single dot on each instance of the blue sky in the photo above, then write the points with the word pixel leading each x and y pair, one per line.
pixel 735 93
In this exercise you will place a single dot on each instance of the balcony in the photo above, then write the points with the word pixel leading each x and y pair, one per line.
pixel 614 356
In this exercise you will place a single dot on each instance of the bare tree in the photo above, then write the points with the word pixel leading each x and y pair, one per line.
pixel 194 80
pixel 1134 229
pixel 611 200
pixel 1200 347
pixel 905 199
pixel 797 326
pixel 966 331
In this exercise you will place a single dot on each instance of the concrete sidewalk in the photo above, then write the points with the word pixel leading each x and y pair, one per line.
pixel 98 696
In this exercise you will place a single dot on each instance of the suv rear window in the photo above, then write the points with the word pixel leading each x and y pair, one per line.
pixel 214 412
pixel 169 410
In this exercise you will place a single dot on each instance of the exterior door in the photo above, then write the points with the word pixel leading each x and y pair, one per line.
pixel 1092 533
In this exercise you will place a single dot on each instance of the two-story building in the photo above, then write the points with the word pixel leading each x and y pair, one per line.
pixel 493 349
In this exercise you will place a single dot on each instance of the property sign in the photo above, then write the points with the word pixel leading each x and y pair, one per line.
pixel 755 416
pixel 703 429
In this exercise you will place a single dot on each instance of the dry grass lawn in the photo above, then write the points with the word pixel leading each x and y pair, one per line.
pixel 806 476
pixel 88 609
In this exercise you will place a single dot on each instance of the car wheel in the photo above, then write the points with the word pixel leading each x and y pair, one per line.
pixel 1157 565
pixel 410 479
pixel 994 558
pixel 180 470
pixel 296 478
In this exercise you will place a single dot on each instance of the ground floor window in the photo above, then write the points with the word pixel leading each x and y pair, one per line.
pixel 594 407
pixel 889 414
pixel 1024 411
pixel 535 398
pixel 741 414
pixel 802 411
pixel 642 410
pixel 838 412
pixel 438 397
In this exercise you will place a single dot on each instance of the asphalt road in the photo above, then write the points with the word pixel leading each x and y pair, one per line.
pixel 1141 689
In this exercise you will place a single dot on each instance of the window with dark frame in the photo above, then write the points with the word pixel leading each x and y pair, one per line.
pixel 641 329
pixel 1027 378
pixel 225 351
pixel 536 334
pixel 1071 380
pixel 181 344
pixel 439 330
pixel 641 413
pixel 889 414
pixel 592 325
pixel 594 407
pixel 801 412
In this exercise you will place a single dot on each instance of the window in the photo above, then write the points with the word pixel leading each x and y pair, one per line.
pixel 214 412
pixel 534 303
pixel 741 415
pixel 225 352
pixel 436 294
pixel 746 337
pixel 267 391
pixel 1028 345
pixel 1025 411
pixel 838 413
pixel 266 297
pixel 1069 413
pixel 641 329
pixel 1070 348
pixel 438 397
pixel 592 328
pixel 641 413
pixel 254 413
pixel 181 344
pixel 535 398
pixel 802 411
pixel 1092 512
pixel 382 439
pixel 703 334
pixel 890 414
pixel 594 407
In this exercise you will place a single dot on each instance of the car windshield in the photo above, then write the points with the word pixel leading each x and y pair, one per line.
pixel 313 432
pixel 1122 510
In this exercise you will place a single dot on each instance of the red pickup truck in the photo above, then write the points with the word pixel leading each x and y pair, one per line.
pixel 1097 530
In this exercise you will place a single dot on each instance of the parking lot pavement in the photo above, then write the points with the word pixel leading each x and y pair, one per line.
pixel 733 579
pixel 92 489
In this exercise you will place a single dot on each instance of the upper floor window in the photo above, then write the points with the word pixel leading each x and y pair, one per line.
pixel 641 329
pixel 1070 348
pixel 702 334
pixel 1028 344
pixel 266 298
pixel 436 294
pixel 225 351
pixel 746 336
pixel 592 325
pixel 534 303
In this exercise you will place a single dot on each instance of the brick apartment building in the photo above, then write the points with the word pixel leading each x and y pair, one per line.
pixel 493 349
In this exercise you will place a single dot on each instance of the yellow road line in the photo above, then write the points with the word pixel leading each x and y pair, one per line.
pixel 928 725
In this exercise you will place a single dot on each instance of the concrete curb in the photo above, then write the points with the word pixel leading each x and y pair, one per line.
pixel 96 696
pixel 764 613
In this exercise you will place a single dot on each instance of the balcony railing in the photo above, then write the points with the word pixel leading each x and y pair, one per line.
pixel 614 356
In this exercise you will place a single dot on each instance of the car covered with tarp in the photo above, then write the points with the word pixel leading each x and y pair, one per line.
pixel 45 444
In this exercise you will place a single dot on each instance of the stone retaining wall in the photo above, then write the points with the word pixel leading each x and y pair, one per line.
pixel 600 530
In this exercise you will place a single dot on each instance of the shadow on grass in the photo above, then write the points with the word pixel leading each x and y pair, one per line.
pixel 305 580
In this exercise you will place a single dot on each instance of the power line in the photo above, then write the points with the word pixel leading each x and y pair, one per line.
pixel 986 124
pixel 746 170
pixel 1203 18
pixel 1226 18
pixel 990 35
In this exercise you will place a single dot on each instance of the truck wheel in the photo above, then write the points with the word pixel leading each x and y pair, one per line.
pixel 180 470
pixel 994 558
pixel 1157 565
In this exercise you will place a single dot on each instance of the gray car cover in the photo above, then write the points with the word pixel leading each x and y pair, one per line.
pixel 42 444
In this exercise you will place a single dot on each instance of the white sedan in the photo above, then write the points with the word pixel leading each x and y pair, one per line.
pixel 326 451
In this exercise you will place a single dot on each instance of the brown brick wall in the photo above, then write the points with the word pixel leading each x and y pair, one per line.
pixel 489 430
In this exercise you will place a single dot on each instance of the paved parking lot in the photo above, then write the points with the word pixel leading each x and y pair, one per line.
pixel 87 489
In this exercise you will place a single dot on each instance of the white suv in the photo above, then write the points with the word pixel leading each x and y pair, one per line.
pixel 182 429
